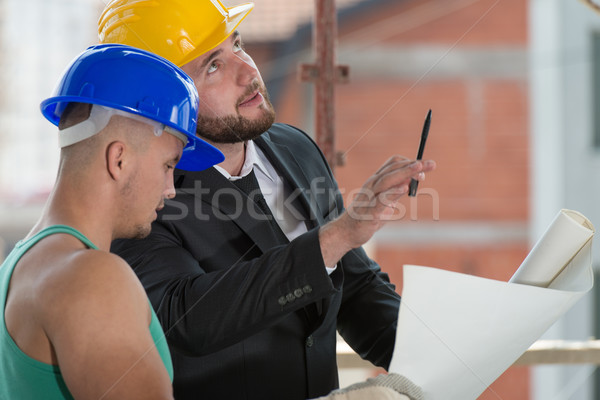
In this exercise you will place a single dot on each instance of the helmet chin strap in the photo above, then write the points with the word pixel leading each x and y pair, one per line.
pixel 99 118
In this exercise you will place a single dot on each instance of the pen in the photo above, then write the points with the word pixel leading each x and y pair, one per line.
pixel 412 189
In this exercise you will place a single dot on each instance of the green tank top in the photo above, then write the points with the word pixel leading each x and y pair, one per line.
pixel 24 378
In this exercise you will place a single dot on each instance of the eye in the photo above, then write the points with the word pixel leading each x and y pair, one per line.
pixel 212 67
pixel 169 166
pixel 238 46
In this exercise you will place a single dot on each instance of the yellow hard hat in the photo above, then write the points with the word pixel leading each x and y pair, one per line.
pixel 178 30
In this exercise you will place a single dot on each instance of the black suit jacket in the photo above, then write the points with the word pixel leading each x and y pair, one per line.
pixel 244 316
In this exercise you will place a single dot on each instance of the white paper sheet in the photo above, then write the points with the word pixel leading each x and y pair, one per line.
pixel 458 333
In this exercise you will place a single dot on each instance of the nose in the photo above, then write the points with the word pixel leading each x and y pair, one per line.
pixel 246 69
pixel 169 192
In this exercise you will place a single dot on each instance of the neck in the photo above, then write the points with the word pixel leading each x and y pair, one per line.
pixel 86 209
pixel 235 154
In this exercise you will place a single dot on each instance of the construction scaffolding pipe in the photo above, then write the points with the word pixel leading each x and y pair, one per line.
pixel 325 74
pixel 325 30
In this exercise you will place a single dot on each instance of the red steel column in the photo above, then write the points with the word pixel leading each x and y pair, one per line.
pixel 325 28
pixel 325 74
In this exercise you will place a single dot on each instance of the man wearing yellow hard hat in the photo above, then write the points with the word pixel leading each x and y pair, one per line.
pixel 257 263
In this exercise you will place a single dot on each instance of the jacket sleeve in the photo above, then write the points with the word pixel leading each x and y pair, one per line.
pixel 368 314
pixel 369 311
pixel 202 312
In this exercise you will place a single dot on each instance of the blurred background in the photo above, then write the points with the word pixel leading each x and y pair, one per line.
pixel 514 88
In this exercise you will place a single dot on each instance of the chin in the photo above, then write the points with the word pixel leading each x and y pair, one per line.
pixel 140 232
pixel 235 128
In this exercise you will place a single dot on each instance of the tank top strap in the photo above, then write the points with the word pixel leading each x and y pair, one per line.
pixel 53 229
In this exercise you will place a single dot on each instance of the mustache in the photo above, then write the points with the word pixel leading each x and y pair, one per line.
pixel 251 88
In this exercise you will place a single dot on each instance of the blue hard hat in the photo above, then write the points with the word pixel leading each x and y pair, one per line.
pixel 138 82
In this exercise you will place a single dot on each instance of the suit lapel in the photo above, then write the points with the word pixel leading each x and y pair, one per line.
pixel 285 163
pixel 227 202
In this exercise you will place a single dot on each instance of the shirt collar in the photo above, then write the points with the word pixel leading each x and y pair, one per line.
pixel 252 159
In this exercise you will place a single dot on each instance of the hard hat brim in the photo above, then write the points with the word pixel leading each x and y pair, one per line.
pixel 199 155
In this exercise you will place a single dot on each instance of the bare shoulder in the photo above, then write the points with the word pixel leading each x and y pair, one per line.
pixel 95 266
pixel 97 318
pixel 91 283
pixel 88 272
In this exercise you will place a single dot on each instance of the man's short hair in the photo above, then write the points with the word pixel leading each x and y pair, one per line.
pixel 74 113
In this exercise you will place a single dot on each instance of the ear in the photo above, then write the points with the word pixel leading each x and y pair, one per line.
pixel 115 159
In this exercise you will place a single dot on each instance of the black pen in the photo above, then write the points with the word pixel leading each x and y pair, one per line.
pixel 412 189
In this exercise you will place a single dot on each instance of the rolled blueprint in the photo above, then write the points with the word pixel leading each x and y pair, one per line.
pixel 567 235
pixel 458 333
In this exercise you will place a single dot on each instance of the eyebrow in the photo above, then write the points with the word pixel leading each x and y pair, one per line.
pixel 215 53
pixel 176 158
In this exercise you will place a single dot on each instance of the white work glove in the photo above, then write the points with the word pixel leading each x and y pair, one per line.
pixel 383 387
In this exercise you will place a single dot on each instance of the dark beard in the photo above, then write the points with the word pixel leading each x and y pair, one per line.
pixel 235 128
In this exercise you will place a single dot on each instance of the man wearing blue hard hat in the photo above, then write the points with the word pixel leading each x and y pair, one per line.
pixel 76 321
